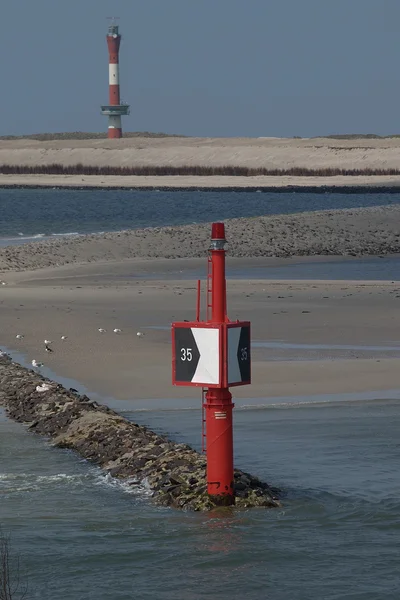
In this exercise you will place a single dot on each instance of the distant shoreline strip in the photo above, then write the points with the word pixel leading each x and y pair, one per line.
pixel 282 189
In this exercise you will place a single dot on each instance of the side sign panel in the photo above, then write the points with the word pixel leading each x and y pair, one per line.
pixel 238 363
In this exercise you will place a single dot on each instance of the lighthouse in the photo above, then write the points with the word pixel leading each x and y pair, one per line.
pixel 115 109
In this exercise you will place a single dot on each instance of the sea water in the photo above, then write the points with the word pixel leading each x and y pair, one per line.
pixel 27 214
pixel 81 534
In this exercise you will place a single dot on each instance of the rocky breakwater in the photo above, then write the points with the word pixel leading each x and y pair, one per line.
pixel 174 473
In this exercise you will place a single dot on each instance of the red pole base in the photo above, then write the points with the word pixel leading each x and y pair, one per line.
pixel 114 133
pixel 219 445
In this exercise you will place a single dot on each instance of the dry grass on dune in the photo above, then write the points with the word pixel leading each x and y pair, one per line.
pixel 189 170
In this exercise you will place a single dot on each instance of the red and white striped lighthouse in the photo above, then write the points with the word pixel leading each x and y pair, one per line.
pixel 115 109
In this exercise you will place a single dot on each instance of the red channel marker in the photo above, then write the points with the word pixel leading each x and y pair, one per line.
pixel 214 354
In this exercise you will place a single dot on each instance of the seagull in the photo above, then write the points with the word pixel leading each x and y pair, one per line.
pixel 48 349
pixel 140 334
pixel 3 354
pixel 36 364
pixel 63 337
pixel 45 387
pixel 47 342
pixel 101 330
pixel 116 330
pixel 19 336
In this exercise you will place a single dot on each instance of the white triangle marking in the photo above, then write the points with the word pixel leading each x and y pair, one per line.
pixel 207 341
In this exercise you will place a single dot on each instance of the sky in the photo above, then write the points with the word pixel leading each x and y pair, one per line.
pixel 204 67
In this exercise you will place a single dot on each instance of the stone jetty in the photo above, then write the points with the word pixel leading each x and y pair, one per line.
pixel 173 472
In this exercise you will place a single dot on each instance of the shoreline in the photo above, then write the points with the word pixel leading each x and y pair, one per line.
pixel 354 232
pixel 274 184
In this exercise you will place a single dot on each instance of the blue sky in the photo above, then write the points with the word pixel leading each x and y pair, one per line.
pixel 204 68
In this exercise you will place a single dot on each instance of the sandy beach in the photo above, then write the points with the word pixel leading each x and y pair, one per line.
pixel 350 320
pixel 269 153
pixel 197 182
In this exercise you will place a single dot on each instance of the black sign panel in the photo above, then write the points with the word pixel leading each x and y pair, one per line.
pixel 243 353
pixel 187 355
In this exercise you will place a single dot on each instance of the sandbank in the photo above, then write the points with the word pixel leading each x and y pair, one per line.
pixel 180 182
pixel 271 153
pixel 352 232
pixel 327 336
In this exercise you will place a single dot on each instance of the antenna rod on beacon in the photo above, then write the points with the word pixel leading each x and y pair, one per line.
pixel 115 109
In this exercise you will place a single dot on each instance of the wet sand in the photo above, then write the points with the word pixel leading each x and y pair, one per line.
pixel 356 323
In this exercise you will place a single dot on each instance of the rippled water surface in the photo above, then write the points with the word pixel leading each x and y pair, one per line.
pixel 81 535
pixel 43 212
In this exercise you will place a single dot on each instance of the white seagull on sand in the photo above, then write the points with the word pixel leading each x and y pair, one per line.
pixel 140 334
pixel 45 387
pixel 19 336
pixel 116 330
pixel 63 337
pixel 101 330
pixel 48 349
pixel 47 342
pixel 36 364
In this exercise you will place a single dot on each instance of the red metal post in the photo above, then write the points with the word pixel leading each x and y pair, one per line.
pixel 218 406
pixel 198 300
pixel 218 286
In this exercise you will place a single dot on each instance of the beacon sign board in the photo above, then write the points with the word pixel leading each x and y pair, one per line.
pixel 211 355
pixel 196 351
